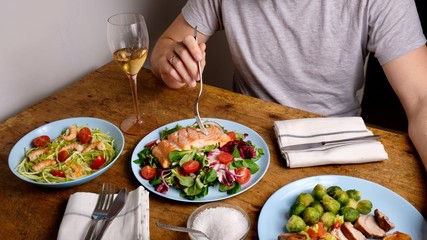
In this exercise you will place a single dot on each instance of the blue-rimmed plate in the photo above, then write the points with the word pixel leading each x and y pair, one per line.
pixel 406 218
pixel 214 194
pixel 53 130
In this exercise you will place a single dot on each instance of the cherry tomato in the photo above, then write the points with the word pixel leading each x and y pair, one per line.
pixel 148 172
pixel 191 166
pixel 98 162
pixel 85 135
pixel 57 173
pixel 63 155
pixel 225 157
pixel 181 172
pixel 232 135
pixel 41 141
pixel 244 175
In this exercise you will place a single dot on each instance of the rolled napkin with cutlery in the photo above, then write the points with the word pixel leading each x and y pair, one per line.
pixel 322 141
pixel 131 223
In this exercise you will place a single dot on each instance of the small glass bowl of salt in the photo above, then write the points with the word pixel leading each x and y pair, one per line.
pixel 220 221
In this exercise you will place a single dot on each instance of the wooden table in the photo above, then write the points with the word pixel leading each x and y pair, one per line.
pixel 29 212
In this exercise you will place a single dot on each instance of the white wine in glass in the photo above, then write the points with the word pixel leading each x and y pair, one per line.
pixel 128 40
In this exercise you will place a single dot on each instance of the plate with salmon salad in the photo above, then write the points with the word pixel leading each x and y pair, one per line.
pixel 338 207
pixel 177 161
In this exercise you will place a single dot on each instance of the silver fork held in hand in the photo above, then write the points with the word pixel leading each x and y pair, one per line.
pixel 196 105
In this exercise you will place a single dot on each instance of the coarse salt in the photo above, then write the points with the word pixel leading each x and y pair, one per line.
pixel 221 223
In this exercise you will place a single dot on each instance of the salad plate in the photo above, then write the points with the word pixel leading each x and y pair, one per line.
pixel 274 214
pixel 214 194
pixel 53 130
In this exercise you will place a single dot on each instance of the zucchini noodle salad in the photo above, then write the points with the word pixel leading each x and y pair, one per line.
pixel 76 153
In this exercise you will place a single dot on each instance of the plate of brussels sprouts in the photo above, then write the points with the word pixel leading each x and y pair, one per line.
pixel 351 193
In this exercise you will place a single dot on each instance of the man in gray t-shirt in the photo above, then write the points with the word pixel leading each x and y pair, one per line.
pixel 305 54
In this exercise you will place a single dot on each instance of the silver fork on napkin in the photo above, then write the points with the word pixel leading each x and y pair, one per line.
pixel 116 207
pixel 196 104
pixel 103 204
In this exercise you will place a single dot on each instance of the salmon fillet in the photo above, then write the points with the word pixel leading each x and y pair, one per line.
pixel 186 139
pixel 161 152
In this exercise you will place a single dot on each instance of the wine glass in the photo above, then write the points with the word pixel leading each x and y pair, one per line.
pixel 128 41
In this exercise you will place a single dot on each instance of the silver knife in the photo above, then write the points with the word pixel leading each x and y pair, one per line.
pixel 116 207
pixel 305 146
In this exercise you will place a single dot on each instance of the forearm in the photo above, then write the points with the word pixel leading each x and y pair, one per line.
pixel 408 77
pixel 417 130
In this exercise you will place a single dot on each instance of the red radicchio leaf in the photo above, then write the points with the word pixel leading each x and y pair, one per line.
pixel 229 147
pixel 226 177
pixel 162 188
pixel 247 152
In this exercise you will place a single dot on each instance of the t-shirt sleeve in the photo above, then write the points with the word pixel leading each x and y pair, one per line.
pixel 394 29
pixel 206 15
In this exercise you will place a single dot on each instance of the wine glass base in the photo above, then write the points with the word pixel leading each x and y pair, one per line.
pixel 132 126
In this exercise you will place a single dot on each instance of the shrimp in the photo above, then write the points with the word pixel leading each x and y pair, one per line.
pixel 42 164
pixel 72 146
pixel 33 155
pixel 98 145
pixel 76 171
pixel 72 134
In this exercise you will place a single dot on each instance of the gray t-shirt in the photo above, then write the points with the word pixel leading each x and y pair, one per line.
pixel 308 54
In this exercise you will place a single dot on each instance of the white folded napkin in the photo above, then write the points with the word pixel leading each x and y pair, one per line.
pixel 131 223
pixel 310 130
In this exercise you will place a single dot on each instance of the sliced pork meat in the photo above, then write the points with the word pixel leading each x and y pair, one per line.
pixel 383 221
pixel 291 236
pixel 352 233
pixel 338 234
pixel 397 236
pixel 369 227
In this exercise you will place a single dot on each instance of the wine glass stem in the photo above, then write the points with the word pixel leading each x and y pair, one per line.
pixel 133 86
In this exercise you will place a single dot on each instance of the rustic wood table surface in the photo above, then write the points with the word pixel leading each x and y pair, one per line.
pixel 30 212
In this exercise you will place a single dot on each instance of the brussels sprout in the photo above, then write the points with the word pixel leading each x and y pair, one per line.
pixel 328 219
pixel 342 197
pixel 364 206
pixel 310 215
pixel 305 198
pixel 351 203
pixel 295 224
pixel 355 194
pixel 330 204
pixel 332 190
pixel 318 191
pixel 349 214
pixel 296 209
pixel 318 205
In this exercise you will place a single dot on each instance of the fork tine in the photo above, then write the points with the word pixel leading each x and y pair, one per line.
pixel 109 196
pixel 101 197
